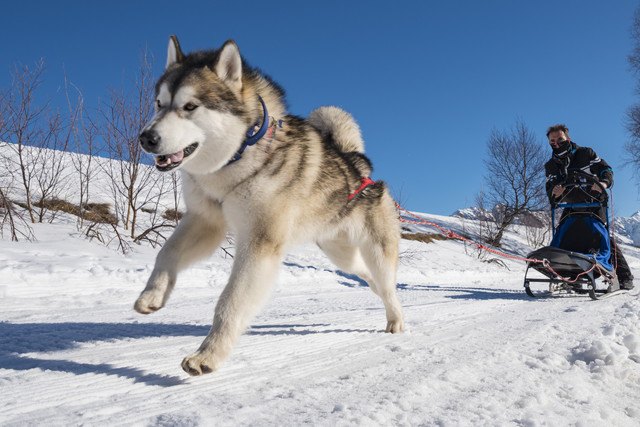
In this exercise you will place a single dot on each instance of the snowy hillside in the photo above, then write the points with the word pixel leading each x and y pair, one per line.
pixel 477 351
pixel 629 227
pixel 626 228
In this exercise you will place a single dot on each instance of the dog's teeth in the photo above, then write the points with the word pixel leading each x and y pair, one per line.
pixel 162 160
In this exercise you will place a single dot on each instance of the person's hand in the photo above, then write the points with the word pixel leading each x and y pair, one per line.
pixel 557 191
pixel 597 188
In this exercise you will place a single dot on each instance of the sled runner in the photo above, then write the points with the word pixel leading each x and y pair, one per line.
pixel 578 259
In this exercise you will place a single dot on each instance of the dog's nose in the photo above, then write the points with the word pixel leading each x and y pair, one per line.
pixel 149 140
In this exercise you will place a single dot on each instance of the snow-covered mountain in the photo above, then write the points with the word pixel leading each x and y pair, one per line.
pixel 629 227
pixel 474 213
pixel 477 350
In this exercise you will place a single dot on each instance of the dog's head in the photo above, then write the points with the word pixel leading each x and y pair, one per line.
pixel 200 120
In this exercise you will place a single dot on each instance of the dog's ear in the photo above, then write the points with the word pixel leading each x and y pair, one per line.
pixel 174 53
pixel 229 65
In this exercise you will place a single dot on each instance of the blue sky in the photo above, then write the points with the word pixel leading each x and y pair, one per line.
pixel 426 80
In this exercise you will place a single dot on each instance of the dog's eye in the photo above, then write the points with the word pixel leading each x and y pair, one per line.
pixel 158 104
pixel 189 106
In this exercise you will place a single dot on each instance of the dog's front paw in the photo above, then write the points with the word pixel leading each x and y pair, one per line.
pixel 148 302
pixel 198 364
pixel 395 326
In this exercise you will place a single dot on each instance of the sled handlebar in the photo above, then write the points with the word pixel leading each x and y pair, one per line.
pixel 578 189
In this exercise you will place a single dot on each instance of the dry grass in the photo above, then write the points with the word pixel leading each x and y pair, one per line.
pixel 60 205
pixel 172 215
pixel 99 212
pixel 93 212
pixel 424 237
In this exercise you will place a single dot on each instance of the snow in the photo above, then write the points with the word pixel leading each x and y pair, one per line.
pixel 477 351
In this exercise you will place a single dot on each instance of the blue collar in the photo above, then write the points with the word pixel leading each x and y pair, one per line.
pixel 253 136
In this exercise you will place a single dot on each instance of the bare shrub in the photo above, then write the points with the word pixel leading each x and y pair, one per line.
pixel 515 177
pixel 22 126
pixel 538 234
pixel 12 221
pixel 108 235
pixel 83 134
pixel 633 114
pixel 51 174
pixel 135 186
pixel 38 137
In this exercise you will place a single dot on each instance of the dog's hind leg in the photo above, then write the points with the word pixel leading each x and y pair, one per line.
pixel 379 246
pixel 194 238
pixel 381 259
pixel 376 264
pixel 347 258
pixel 254 270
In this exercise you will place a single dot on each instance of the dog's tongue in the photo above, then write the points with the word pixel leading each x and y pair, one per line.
pixel 177 157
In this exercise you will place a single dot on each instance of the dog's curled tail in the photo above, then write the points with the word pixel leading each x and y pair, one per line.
pixel 336 123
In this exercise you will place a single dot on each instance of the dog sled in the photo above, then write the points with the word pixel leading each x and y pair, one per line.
pixel 578 259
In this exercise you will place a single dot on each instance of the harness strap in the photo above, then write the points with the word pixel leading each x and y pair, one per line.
pixel 364 183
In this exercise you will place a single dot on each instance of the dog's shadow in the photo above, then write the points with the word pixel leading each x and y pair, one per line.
pixel 352 277
pixel 457 292
pixel 17 340
pixel 469 292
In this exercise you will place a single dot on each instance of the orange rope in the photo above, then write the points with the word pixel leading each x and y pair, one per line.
pixel 453 235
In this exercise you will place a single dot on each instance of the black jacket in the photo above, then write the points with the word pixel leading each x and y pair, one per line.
pixel 585 160
pixel 579 158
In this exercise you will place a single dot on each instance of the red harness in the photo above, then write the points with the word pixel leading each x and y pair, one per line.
pixel 364 183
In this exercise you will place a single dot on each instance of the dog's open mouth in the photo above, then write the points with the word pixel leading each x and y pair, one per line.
pixel 166 162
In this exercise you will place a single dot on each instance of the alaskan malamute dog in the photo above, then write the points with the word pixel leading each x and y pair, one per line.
pixel 272 178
